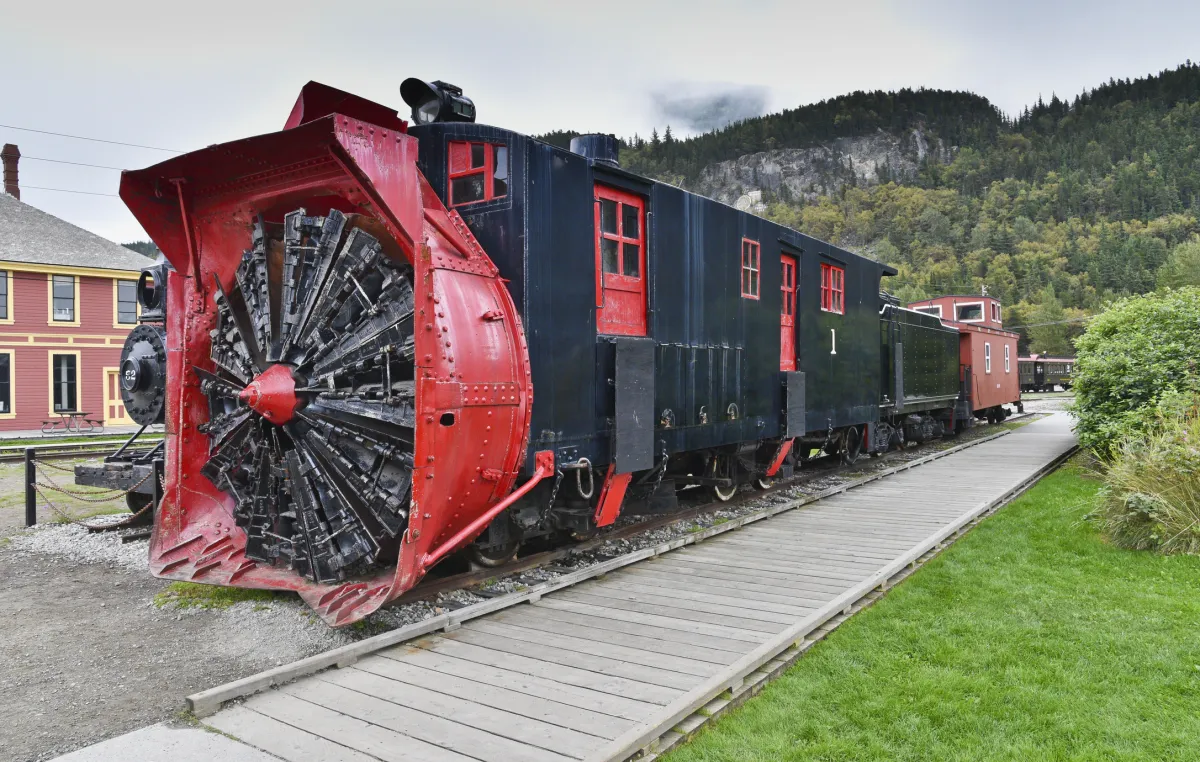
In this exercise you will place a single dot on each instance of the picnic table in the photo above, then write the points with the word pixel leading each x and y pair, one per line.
pixel 72 422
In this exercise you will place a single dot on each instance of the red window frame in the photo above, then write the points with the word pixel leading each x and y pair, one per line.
pixel 751 269
pixel 460 164
pixel 833 289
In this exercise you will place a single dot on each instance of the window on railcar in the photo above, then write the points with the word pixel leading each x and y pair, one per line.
pixel 935 310
pixel 833 289
pixel 995 312
pixel 987 357
pixel 750 269
pixel 969 312
pixel 477 171
pixel 1007 367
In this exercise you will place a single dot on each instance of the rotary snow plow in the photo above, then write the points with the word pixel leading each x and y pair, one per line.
pixel 347 382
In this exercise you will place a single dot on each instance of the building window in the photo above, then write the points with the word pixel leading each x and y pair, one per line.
pixel 127 301
pixel 478 172
pixel 750 263
pixel 987 357
pixel 6 383
pixel 64 297
pixel 63 381
pixel 4 298
pixel 969 313
pixel 1007 367
pixel 833 289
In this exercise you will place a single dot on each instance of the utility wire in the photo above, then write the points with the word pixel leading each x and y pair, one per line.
pixel 94 140
pixel 75 163
pixel 64 190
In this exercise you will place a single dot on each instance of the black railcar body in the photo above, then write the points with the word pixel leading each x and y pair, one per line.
pixel 706 374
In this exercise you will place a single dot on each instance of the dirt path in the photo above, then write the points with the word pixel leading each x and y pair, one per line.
pixel 85 654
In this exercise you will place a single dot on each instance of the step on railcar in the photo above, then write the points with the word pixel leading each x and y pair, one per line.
pixel 384 343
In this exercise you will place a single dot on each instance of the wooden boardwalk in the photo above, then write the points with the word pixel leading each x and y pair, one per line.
pixel 603 669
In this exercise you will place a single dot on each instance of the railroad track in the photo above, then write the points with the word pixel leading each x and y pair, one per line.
pixel 16 453
pixel 825 467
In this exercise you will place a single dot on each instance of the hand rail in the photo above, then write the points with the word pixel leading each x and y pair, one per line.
pixel 545 467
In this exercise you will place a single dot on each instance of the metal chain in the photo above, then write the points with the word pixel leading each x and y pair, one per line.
pixel 557 483
pixel 71 519
pixel 64 469
pixel 662 471
pixel 87 496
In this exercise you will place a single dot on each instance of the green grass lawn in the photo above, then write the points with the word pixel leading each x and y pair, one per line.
pixel 1029 639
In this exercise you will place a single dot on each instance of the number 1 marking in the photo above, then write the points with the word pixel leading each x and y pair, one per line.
pixel 833 341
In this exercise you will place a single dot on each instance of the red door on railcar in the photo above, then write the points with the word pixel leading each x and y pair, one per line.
pixel 787 314
pixel 620 262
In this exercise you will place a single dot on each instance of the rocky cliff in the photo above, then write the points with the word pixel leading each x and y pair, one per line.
pixel 805 173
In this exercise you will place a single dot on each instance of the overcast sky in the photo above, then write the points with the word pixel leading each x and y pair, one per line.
pixel 185 75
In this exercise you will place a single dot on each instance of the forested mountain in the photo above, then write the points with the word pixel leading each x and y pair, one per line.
pixel 1054 211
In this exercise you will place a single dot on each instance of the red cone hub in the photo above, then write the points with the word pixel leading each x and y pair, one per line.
pixel 272 395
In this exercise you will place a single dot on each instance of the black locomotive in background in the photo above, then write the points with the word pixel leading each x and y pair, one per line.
pixel 673 341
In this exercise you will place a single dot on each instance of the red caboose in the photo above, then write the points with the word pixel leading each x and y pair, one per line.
pixel 987 352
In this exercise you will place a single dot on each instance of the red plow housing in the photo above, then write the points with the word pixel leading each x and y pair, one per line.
pixel 348 388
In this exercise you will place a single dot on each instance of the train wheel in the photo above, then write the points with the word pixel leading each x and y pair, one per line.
pixel 136 501
pixel 724 466
pixel 764 482
pixel 851 445
pixel 490 558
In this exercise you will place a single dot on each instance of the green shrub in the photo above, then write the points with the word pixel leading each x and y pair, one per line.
pixel 1152 484
pixel 1137 351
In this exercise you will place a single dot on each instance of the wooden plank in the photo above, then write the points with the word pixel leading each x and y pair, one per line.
pixel 807 551
pixel 286 741
pixel 533 706
pixel 669 608
pixel 733 586
pixel 561 651
pixel 776 528
pixel 859 531
pixel 434 730
pixel 583 635
pixel 750 602
pixel 573 670
pixel 725 571
pixel 666 599
pixel 476 673
pixel 849 568
pixel 737 597
pixel 754 565
pixel 606 608
pixel 650 627
pixel 501 723
pixel 355 733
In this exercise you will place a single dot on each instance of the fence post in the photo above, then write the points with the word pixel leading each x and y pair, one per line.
pixel 30 480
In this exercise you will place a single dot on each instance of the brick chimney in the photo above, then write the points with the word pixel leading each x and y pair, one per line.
pixel 11 155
